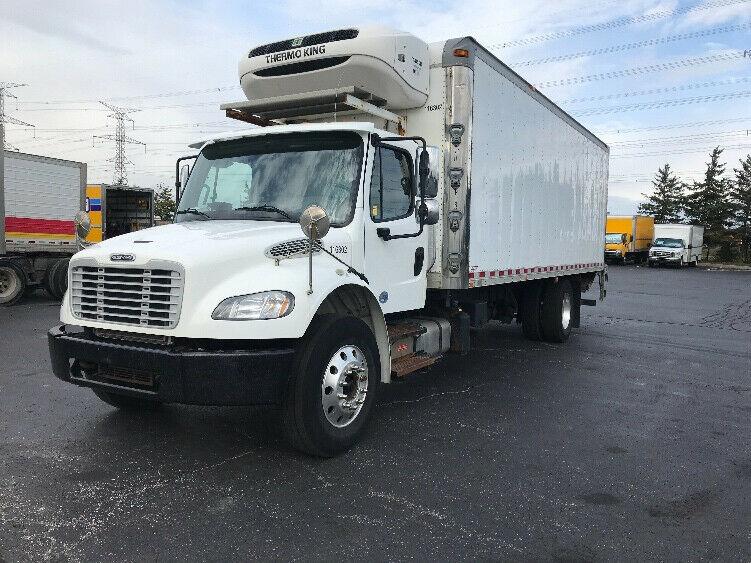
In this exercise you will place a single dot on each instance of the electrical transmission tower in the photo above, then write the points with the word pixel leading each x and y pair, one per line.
pixel 121 161
pixel 5 88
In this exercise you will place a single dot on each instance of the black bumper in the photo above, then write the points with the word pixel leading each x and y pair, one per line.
pixel 178 374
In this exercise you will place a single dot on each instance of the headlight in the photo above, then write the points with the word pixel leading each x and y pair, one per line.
pixel 256 306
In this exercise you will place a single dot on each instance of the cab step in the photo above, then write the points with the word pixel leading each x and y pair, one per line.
pixel 404 330
pixel 411 363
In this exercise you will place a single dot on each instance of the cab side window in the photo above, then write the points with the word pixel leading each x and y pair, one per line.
pixel 391 194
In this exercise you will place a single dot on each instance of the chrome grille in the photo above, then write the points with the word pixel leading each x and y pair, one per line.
pixel 290 248
pixel 133 296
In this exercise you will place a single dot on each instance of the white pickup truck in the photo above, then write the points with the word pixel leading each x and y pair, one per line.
pixel 436 191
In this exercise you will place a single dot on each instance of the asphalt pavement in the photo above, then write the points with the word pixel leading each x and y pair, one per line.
pixel 630 442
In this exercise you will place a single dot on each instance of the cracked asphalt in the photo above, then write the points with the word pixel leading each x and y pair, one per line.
pixel 630 442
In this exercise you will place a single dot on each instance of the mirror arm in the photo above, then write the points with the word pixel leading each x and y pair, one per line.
pixel 177 174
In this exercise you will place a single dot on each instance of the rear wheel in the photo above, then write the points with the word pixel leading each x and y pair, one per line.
pixel 557 311
pixel 55 280
pixel 333 386
pixel 12 283
pixel 126 402
pixel 530 311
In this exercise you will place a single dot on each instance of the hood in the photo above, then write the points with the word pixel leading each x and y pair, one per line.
pixel 194 241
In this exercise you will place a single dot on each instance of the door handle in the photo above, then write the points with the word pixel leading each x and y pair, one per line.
pixel 419 259
pixel 384 233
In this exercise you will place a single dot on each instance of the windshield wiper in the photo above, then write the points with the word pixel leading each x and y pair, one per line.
pixel 193 211
pixel 265 207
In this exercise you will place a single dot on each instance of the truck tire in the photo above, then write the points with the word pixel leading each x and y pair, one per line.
pixel 531 310
pixel 333 386
pixel 52 282
pixel 557 311
pixel 12 283
pixel 126 402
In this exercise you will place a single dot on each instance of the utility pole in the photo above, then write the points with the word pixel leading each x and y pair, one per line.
pixel 4 87
pixel 120 115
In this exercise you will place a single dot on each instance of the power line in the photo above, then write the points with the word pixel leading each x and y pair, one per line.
pixel 720 135
pixel 672 65
pixel 682 151
pixel 635 45
pixel 674 125
pixel 140 97
pixel 666 90
pixel 665 103
pixel 621 22
pixel 120 160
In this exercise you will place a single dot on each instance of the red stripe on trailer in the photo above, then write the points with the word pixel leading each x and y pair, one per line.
pixel 482 274
pixel 46 226
pixel 492 273
pixel 471 275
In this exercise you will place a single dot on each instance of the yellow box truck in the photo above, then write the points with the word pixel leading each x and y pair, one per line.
pixel 628 237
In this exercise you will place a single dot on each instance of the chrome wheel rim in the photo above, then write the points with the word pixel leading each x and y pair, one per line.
pixel 566 311
pixel 8 283
pixel 344 386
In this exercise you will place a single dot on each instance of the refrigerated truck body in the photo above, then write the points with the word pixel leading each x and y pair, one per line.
pixel 677 244
pixel 42 196
pixel 436 190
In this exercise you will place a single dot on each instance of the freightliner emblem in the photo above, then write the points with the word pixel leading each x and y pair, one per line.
pixel 122 257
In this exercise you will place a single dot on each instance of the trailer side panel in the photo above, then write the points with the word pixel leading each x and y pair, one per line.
pixel 538 191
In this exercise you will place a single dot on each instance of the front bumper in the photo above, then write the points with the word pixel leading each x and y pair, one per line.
pixel 664 259
pixel 613 255
pixel 177 374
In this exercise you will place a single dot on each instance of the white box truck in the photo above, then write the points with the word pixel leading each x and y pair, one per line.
pixel 39 199
pixel 677 245
pixel 436 190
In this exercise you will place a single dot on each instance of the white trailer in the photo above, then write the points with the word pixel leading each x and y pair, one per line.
pixel 677 244
pixel 41 198
pixel 436 190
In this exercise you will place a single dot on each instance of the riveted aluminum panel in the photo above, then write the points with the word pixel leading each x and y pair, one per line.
pixel 539 185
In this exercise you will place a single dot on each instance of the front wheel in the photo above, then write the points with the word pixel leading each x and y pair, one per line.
pixel 333 386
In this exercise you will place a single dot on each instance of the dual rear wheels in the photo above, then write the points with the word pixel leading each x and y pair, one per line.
pixel 548 310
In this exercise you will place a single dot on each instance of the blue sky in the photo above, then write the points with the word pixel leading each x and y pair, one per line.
pixel 687 63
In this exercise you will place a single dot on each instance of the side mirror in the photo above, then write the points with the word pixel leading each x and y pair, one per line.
pixel 315 222
pixel 430 181
pixel 429 212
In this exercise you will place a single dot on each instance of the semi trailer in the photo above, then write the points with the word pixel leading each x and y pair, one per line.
pixel 628 237
pixel 391 197
pixel 41 198
pixel 677 245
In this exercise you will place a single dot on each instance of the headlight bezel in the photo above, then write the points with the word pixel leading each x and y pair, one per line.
pixel 260 306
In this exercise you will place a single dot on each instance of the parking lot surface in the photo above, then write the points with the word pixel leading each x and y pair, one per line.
pixel 631 441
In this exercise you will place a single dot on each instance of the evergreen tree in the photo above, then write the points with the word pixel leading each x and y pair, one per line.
pixel 666 201
pixel 708 203
pixel 164 203
pixel 740 195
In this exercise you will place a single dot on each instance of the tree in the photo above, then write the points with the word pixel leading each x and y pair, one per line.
pixel 708 203
pixel 740 196
pixel 666 201
pixel 164 203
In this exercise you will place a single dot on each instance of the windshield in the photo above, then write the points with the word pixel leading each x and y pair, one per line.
pixel 613 238
pixel 668 242
pixel 274 178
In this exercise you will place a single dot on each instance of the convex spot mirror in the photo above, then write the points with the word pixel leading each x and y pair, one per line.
pixel 314 222
pixel 83 224
pixel 429 211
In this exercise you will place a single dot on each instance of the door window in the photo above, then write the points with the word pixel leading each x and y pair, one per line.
pixel 391 194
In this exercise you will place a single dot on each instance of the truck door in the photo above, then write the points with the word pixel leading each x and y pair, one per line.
pixel 395 268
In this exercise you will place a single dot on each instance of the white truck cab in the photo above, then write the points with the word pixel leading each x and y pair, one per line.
pixel 328 249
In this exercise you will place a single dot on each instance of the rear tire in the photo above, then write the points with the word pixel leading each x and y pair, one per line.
pixel 557 311
pixel 333 386
pixel 12 283
pixel 530 311
pixel 55 280
pixel 124 402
